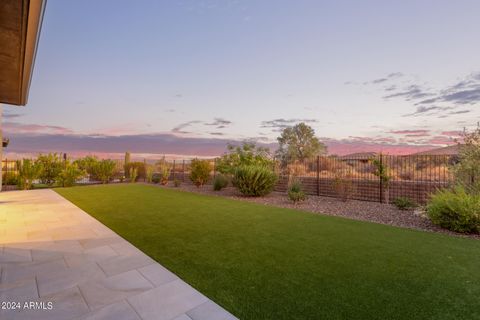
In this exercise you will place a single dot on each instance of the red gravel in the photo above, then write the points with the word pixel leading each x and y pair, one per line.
pixel 352 209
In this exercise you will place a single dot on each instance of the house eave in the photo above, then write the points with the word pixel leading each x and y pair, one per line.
pixel 20 25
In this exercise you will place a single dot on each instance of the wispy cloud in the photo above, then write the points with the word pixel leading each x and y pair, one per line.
pixel 219 123
pixel 461 93
pixel 279 124
pixel 180 127
pixel 412 92
pixel 427 110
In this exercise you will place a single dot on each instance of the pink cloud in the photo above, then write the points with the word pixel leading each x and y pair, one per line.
pixel 22 128
pixel 441 140
pixel 412 133
pixel 452 133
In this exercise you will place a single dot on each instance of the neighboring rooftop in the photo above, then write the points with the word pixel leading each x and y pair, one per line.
pixel 359 155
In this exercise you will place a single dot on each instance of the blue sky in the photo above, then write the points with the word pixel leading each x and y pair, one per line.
pixel 363 74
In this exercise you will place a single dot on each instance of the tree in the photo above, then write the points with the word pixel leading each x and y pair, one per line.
pixel 70 174
pixel 299 143
pixel 89 165
pixel 105 170
pixel 28 171
pixel 246 154
pixel 467 170
pixel 50 167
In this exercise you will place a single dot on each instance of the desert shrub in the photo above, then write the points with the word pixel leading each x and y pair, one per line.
pixel 177 183
pixel 149 174
pixel 295 192
pixel 343 185
pixel 246 154
pixel 156 178
pixel 220 182
pixel 404 203
pixel 140 169
pixel 104 170
pixel 164 175
pixel 455 210
pixel 298 169
pixel 50 167
pixel 132 173
pixel 383 172
pixel 69 174
pixel 200 172
pixel 28 171
pixel 254 180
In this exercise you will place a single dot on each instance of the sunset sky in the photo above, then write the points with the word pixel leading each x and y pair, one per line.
pixel 185 77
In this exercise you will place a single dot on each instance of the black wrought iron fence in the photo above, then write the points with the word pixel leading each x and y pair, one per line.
pixel 414 177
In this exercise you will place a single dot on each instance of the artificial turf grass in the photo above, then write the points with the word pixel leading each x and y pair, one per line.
pixel 261 262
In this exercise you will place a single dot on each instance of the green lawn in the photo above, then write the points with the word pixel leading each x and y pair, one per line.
pixel 262 262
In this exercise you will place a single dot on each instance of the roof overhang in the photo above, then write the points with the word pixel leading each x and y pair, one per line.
pixel 20 24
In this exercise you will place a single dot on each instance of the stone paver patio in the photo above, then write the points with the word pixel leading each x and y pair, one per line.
pixel 53 252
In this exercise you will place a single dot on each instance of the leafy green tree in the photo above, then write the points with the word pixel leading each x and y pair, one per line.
pixel 50 167
pixel 467 170
pixel 243 155
pixel 105 170
pixel 69 174
pixel 28 171
pixel 299 143
pixel 89 165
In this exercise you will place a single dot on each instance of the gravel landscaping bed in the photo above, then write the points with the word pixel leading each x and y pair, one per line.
pixel 352 209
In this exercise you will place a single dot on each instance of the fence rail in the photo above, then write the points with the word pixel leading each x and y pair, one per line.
pixel 415 177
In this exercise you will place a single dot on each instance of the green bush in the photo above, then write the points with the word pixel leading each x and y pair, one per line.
pixel 455 210
pixel 140 166
pixel 51 165
pixel 132 173
pixel 254 180
pixel 156 178
pixel 149 174
pixel 69 175
pixel 164 175
pixel 200 172
pixel 295 192
pixel 104 170
pixel 89 165
pixel 28 171
pixel 404 203
pixel 220 182
pixel 244 155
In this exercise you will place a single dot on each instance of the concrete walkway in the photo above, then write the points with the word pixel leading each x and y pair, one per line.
pixel 64 265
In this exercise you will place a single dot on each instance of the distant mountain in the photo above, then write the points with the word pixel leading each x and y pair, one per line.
pixel 449 151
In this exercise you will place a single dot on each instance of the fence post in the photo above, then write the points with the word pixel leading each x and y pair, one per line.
pixel 380 177
pixel 318 175
pixel 214 167
pixel 174 170
pixel 144 170
pixel 183 170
